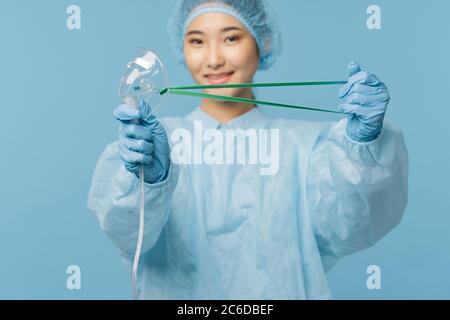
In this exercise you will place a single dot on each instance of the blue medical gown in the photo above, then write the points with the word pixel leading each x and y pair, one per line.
pixel 228 232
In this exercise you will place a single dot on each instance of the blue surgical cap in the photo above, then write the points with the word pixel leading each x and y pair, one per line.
pixel 254 15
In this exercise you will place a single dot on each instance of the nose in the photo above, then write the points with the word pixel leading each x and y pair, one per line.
pixel 215 57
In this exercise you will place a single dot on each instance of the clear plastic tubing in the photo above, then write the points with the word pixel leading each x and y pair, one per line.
pixel 142 81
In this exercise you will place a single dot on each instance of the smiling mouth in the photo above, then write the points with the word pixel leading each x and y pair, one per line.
pixel 219 78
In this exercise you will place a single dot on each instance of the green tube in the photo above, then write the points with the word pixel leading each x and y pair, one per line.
pixel 181 90
pixel 243 100
pixel 259 85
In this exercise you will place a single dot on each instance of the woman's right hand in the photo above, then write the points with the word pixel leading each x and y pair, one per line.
pixel 143 141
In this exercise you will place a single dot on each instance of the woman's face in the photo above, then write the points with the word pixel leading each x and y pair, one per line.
pixel 218 50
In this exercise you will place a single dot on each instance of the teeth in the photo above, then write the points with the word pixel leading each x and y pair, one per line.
pixel 219 76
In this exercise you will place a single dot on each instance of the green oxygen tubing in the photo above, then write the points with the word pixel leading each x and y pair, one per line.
pixel 185 90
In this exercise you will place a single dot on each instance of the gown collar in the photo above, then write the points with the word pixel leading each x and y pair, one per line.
pixel 251 119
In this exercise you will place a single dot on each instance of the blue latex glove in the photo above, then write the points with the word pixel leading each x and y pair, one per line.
pixel 143 141
pixel 366 100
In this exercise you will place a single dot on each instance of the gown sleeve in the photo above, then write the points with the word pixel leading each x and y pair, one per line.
pixel 114 199
pixel 357 192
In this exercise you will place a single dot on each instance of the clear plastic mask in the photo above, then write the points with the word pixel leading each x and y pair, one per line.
pixel 144 79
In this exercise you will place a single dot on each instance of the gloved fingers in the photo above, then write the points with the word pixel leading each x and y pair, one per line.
pixel 362 111
pixel 146 113
pixel 150 120
pixel 361 77
pixel 353 68
pixel 135 131
pixel 349 108
pixel 158 131
pixel 133 158
pixel 126 113
pixel 130 166
pixel 140 146
pixel 365 89
pixel 367 100
pixel 135 167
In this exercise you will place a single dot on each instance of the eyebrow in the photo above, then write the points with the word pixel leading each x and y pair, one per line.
pixel 222 31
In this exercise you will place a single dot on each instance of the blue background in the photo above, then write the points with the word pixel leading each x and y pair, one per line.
pixel 58 89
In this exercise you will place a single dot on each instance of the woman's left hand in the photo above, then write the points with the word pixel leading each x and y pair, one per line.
pixel 366 100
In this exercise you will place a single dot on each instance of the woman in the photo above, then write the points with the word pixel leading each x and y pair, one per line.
pixel 226 231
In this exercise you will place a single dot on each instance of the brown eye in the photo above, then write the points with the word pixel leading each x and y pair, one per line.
pixel 195 42
pixel 231 39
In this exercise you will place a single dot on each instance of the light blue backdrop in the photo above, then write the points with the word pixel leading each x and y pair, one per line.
pixel 58 89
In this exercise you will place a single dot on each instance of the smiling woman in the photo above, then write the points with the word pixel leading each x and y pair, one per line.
pixel 257 17
pixel 218 50
pixel 216 54
pixel 225 42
